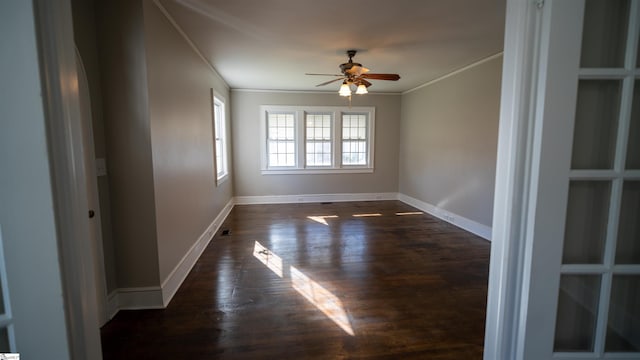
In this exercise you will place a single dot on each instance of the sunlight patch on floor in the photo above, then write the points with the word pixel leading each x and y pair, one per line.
pixel 322 219
pixel 315 293
pixel 409 213
pixel 367 215
pixel 271 260
pixel 321 298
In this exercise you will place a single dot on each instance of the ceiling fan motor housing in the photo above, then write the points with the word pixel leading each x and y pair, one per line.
pixel 347 66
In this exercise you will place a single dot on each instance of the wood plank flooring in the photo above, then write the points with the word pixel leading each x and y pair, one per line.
pixel 359 280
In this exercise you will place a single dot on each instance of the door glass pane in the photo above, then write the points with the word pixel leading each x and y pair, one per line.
pixel 633 147
pixel 594 138
pixel 4 340
pixel 586 226
pixel 623 329
pixel 628 246
pixel 638 58
pixel 577 310
pixel 1 299
pixel 604 33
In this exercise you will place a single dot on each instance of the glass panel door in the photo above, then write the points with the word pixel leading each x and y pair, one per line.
pixel 598 305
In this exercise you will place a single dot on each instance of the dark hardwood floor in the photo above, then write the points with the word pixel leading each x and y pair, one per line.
pixel 321 281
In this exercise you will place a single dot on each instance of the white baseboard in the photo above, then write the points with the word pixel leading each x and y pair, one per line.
pixel 172 283
pixel 149 297
pixel 469 225
pixel 313 198
pixel 158 297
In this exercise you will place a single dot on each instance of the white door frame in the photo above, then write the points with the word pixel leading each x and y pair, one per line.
pixel 64 135
pixel 513 182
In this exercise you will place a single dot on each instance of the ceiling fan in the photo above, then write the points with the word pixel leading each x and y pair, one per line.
pixel 354 74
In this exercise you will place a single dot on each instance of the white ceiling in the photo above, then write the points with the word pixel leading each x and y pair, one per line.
pixel 271 44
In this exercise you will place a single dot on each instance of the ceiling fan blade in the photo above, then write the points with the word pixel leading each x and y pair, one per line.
pixel 330 81
pixel 325 74
pixel 364 82
pixel 392 77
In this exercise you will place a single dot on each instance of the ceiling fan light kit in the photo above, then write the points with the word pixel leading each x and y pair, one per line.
pixel 345 89
pixel 355 74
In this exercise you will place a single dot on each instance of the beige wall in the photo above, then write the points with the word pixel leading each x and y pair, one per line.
pixel 157 113
pixel 449 140
pixel 128 141
pixel 248 180
pixel 180 109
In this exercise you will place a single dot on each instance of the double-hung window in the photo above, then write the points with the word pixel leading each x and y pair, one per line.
pixel 281 139
pixel 317 139
pixel 220 135
pixel 354 139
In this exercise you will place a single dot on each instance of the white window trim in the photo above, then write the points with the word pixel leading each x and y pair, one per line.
pixel 218 99
pixel 300 127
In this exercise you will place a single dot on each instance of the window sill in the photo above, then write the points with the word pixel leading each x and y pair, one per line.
pixel 363 170
pixel 221 180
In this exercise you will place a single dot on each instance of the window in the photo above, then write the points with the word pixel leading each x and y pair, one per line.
pixel 317 139
pixel 220 135
pixel 354 139
pixel 282 139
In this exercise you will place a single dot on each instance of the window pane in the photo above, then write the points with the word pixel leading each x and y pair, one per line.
pixel 586 223
pixel 220 137
pixel 594 139
pixel 628 246
pixel 281 132
pixel 354 145
pixel 318 139
pixel 633 147
pixel 326 147
pixel 623 328
pixel 604 33
pixel 577 312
